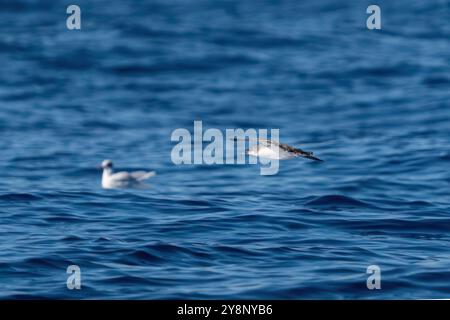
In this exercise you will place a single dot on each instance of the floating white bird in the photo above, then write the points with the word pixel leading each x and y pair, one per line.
pixel 273 150
pixel 123 179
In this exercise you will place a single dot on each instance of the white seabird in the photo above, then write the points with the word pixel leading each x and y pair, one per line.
pixel 123 179
pixel 273 150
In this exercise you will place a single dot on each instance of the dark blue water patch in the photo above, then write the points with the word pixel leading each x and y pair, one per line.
pixel 436 226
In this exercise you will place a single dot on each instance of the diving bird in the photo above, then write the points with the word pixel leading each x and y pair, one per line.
pixel 123 179
pixel 273 150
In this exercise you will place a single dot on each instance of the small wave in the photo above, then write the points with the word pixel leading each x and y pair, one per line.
pixel 445 156
pixel 72 238
pixel 170 249
pixel 101 124
pixel 19 197
pixel 194 203
pixel 45 157
pixel 61 218
pixel 337 201
pixel 130 280
pixel 436 80
pixel 234 251
pixel 45 262
pixel 208 64
pixel 398 70
pixel 139 257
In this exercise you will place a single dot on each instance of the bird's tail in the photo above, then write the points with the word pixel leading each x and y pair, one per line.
pixel 309 155
pixel 313 158
pixel 146 175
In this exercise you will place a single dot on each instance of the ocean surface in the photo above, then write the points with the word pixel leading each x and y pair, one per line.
pixel 374 104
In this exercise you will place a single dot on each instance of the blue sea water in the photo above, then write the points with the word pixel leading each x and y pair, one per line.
pixel 374 104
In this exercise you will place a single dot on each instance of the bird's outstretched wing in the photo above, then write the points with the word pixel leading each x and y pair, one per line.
pixel 264 142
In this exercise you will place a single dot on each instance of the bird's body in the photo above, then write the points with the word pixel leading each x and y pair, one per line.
pixel 274 150
pixel 123 179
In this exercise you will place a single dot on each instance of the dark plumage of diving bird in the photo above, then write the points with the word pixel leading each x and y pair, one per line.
pixel 123 179
pixel 273 150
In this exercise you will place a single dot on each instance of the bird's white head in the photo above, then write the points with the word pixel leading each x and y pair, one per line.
pixel 107 164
